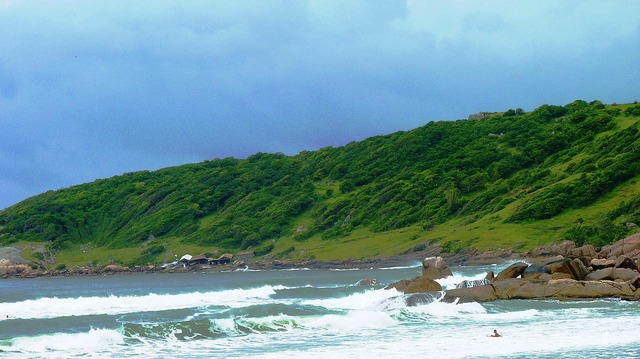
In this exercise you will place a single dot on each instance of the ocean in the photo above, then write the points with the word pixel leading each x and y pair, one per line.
pixel 297 314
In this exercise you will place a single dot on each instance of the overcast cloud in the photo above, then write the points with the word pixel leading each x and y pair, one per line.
pixel 92 89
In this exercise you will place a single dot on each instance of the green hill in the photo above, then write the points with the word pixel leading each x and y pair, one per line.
pixel 510 179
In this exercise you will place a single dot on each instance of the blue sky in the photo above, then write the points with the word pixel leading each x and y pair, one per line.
pixel 93 89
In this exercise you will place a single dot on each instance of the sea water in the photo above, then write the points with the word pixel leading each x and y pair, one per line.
pixel 297 313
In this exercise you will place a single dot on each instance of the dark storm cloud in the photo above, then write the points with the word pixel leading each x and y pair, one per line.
pixel 95 89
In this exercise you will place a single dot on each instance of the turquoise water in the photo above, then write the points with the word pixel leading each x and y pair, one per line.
pixel 300 313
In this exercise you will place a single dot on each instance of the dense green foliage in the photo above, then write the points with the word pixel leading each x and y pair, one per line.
pixel 550 160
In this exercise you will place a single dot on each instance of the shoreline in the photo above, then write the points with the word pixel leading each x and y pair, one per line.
pixel 24 271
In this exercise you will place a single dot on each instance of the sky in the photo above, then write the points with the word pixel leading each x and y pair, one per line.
pixel 94 89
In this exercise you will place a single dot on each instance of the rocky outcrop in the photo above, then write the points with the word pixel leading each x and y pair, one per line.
pixel 579 273
pixel 432 268
pixel 17 270
pixel 114 268
pixel 416 285
pixel 518 288
pixel 574 268
pixel 435 268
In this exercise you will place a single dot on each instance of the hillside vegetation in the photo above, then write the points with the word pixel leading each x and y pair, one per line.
pixel 512 179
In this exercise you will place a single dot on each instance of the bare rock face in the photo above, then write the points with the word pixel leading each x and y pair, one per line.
pixel 416 285
pixel 17 270
pixel 114 268
pixel 512 271
pixel 435 268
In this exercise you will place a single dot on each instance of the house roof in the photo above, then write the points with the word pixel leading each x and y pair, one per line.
pixel 198 258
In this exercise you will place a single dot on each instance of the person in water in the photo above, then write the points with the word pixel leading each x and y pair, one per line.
pixel 495 334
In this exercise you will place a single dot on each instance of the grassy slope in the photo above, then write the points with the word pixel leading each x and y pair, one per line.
pixel 486 232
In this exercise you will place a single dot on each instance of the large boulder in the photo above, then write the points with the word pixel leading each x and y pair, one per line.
pixel 534 271
pixel 483 293
pixel 629 246
pixel 512 271
pixel 625 262
pixel 586 251
pixel 416 285
pixel 624 274
pixel 435 268
pixel 578 269
pixel 600 263
pixel 573 267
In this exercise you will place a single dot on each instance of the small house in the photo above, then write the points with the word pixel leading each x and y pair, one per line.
pixel 185 259
pixel 199 260
pixel 223 259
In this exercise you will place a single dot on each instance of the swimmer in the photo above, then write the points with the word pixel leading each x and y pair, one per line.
pixel 495 334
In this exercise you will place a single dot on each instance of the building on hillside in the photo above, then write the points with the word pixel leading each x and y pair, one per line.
pixel 199 260
pixel 223 259
pixel 184 260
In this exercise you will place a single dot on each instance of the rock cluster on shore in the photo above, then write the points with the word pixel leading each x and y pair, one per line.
pixel 558 272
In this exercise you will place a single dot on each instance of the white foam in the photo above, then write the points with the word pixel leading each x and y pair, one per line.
pixel 354 320
pixel 415 265
pixel 455 279
pixel 64 307
pixel 358 301
pixel 96 340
